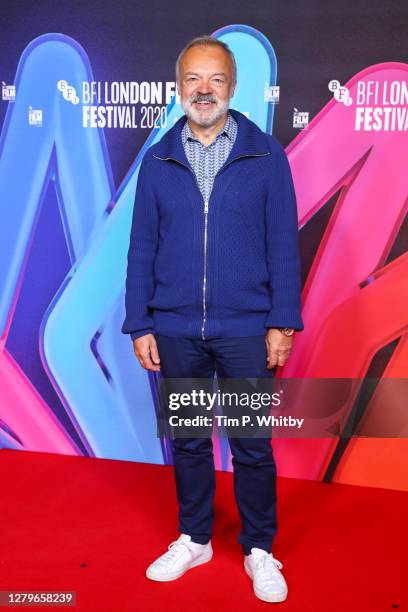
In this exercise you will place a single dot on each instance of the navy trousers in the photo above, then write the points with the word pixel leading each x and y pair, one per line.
pixel 252 458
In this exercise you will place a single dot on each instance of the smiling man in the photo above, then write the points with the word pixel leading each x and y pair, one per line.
pixel 213 285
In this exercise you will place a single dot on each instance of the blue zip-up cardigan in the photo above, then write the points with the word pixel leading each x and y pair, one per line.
pixel 226 267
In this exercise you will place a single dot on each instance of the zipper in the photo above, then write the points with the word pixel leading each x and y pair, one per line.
pixel 205 268
pixel 206 202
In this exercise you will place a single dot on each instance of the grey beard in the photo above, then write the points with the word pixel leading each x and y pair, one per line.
pixel 202 121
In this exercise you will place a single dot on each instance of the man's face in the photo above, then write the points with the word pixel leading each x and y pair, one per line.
pixel 205 84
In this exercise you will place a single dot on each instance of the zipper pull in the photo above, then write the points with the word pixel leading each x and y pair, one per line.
pixel 206 207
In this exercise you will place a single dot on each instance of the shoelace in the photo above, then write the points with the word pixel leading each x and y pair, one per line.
pixel 174 550
pixel 265 564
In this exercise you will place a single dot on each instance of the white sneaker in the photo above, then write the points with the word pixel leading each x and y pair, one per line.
pixel 269 584
pixel 182 555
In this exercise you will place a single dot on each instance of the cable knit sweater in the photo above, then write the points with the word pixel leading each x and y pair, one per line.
pixel 224 267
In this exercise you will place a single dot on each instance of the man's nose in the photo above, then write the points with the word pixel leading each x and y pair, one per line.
pixel 205 87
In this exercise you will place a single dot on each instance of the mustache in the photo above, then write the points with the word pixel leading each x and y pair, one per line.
pixel 203 98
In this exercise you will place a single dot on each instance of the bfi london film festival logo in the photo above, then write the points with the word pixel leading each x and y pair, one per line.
pixel 300 119
pixel 271 93
pixel 122 104
pixel 340 92
pixel 8 92
pixel 69 93
pixel 380 106
pixel 35 116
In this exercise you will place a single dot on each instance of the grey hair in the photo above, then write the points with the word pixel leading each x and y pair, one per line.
pixel 207 40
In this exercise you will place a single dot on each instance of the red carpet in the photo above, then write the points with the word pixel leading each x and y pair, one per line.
pixel 92 526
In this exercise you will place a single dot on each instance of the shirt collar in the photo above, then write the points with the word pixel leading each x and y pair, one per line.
pixel 228 128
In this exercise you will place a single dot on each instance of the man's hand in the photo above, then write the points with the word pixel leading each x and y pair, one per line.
pixel 278 347
pixel 145 349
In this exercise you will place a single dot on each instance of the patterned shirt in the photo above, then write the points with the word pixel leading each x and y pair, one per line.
pixel 206 161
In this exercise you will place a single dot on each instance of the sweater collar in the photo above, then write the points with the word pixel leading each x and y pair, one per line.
pixel 250 140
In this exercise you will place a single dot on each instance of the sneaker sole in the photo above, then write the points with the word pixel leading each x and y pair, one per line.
pixel 175 575
pixel 265 596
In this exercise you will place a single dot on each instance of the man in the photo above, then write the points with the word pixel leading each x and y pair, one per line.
pixel 213 285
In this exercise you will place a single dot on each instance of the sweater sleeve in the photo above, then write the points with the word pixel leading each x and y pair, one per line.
pixel 282 242
pixel 140 261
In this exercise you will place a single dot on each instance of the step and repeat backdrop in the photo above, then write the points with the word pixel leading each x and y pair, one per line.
pixel 85 89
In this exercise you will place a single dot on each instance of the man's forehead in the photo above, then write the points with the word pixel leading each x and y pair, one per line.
pixel 197 72
pixel 199 55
